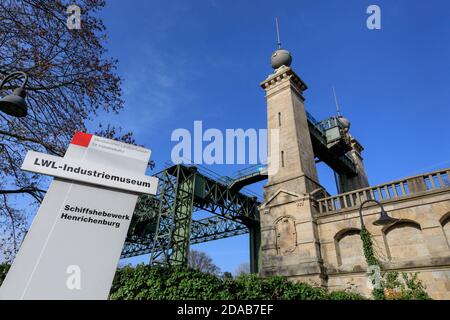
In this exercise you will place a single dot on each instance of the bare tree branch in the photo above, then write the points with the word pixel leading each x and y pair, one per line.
pixel 70 82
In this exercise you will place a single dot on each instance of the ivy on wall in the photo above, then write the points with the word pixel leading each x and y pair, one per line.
pixel 368 248
pixel 391 286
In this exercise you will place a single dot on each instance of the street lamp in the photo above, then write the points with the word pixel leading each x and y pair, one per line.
pixel 14 104
pixel 384 219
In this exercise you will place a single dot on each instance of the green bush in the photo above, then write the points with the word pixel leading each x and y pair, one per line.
pixel 406 287
pixel 145 283
pixel 3 271
pixel 252 287
pixel 342 295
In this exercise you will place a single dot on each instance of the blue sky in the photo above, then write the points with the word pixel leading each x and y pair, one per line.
pixel 183 61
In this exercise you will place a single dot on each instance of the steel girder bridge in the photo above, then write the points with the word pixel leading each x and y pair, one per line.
pixel 163 225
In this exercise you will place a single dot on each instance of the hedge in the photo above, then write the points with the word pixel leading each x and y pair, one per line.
pixel 145 283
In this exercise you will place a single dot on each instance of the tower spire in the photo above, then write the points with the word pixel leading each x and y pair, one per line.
pixel 337 104
pixel 280 57
pixel 278 33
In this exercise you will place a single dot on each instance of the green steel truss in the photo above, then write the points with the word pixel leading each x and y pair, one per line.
pixel 203 230
pixel 163 225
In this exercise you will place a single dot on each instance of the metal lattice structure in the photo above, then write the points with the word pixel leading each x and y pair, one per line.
pixel 163 224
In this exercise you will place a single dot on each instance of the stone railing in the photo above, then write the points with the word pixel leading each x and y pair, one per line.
pixel 385 192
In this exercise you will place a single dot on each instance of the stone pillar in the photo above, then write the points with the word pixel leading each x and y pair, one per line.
pixel 293 164
pixel 255 248
pixel 290 243
pixel 360 180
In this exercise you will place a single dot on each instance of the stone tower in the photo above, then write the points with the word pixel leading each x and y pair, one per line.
pixel 360 180
pixel 310 236
pixel 289 234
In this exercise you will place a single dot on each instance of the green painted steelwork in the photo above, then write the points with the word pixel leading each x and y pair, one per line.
pixel 163 225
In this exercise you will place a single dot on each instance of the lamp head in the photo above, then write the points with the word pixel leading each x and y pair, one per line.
pixel 384 219
pixel 14 104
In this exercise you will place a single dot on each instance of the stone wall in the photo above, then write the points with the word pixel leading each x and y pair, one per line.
pixel 419 242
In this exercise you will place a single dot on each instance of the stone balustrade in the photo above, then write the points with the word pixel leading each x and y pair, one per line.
pixel 394 190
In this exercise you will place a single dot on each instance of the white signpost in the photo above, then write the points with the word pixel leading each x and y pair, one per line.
pixel 74 243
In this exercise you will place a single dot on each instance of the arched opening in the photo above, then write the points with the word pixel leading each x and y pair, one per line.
pixel 445 223
pixel 405 241
pixel 349 248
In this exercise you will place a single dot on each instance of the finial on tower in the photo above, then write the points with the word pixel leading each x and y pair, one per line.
pixel 344 121
pixel 336 102
pixel 280 57
pixel 278 33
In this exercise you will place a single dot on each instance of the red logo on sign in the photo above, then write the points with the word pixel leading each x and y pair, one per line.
pixel 81 139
